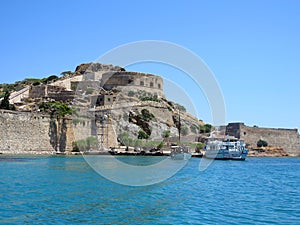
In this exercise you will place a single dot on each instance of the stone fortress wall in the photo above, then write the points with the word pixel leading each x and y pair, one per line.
pixel 288 139
pixel 129 81
pixel 35 133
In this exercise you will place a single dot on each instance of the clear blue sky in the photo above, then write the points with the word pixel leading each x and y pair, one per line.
pixel 252 46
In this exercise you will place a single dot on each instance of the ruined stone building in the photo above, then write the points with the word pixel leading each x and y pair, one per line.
pixel 127 81
pixel 93 79
pixel 57 93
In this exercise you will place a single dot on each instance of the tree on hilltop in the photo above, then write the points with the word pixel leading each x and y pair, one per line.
pixel 66 73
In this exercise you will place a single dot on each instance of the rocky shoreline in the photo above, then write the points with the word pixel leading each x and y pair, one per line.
pixel 257 152
pixel 270 151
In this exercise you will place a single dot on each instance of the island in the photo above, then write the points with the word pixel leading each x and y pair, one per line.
pixel 105 106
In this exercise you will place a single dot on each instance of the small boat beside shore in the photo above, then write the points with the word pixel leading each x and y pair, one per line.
pixel 180 153
pixel 225 148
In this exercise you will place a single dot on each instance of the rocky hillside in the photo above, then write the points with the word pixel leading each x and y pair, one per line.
pixel 155 121
pixel 136 115
pixel 138 121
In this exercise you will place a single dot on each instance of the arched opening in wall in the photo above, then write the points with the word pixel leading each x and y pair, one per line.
pixel 151 84
pixel 245 133
pixel 142 83
pixel 159 86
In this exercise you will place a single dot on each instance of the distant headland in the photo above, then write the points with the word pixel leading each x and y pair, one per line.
pixel 119 109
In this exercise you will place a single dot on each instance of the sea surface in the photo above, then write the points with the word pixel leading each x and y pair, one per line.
pixel 66 190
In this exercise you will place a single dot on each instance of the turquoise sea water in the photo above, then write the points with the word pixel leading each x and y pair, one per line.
pixel 65 190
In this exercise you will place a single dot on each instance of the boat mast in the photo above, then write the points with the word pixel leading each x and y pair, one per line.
pixel 179 126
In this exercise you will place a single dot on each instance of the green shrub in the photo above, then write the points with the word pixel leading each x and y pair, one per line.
pixel 32 80
pixel 143 135
pixel 5 101
pixel 146 115
pixel 199 146
pixel 76 121
pixel 75 147
pixel 166 134
pixel 131 93
pixel 56 108
pixel 85 144
pixel 151 98
pixel 262 143
pixel 161 144
pixel 66 73
pixel 49 79
pixel 205 128
pixel 125 140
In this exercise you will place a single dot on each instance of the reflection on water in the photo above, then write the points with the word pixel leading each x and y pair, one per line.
pixel 15 159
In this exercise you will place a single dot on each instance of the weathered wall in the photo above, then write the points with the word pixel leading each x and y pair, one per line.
pixel 38 91
pixel 134 81
pixel 22 132
pixel 66 83
pixel 288 139
pixel 18 96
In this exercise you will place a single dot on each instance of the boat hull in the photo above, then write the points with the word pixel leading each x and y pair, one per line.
pixel 226 155
pixel 181 156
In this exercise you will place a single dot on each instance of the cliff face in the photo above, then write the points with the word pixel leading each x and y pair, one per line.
pixel 143 121
pixel 161 119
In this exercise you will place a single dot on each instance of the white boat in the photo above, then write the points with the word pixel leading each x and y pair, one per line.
pixel 180 153
pixel 225 148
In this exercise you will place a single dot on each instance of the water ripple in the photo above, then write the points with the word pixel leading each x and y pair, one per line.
pixel 65 190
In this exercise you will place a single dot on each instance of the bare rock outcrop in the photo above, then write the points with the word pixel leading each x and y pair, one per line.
pixel 95 67
pixel 269 151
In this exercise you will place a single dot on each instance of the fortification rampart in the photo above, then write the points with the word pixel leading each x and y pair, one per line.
pixel 288 139
pixel 23 132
